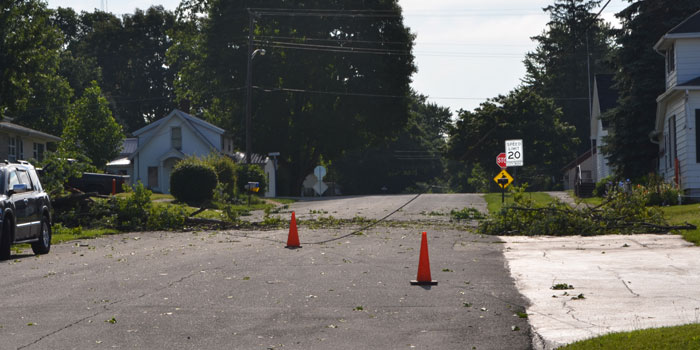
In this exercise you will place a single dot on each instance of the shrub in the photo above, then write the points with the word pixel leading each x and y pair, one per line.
pixel 166 217
pixel 601 187
pixel 192 181
pixel 225 169
pixel 658 192
pixel 623 212
pixel 250 173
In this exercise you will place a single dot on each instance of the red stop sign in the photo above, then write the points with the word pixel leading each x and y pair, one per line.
pixel 501 160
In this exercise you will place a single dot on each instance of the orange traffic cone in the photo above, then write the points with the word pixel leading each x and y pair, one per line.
pixel 423 278
pixel 293 239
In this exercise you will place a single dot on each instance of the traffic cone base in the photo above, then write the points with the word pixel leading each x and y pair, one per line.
pixel 293 238
pixel 424 283
pixel 423 278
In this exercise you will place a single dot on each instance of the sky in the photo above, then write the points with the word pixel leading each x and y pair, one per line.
pixel 466 50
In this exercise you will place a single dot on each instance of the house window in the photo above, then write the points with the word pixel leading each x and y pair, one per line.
pixel 12 149
pixel 39 151
pixel 15 149
pixel 152 176
pixel 672 146
pixel 670 60
pixel 176 137
pixel 20 148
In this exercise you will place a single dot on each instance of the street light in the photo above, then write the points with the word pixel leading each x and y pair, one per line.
pixel 249 88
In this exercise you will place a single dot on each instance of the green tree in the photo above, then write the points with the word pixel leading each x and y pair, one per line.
pixel 558 68
pixel 478 136
pixel 130 53
pixel 411 161
pixel 31 89
pixel 315 98
pixel 91 129
pixel 640 80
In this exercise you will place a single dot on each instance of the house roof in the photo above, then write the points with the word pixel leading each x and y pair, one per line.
pixel 580 159
pixel 689 28
pixel 24 131
pixel 607 95
pixel 193 122
pixel 689 25
pixel 692 82
pixel 129 146
pixel 183 115
pixel 239 157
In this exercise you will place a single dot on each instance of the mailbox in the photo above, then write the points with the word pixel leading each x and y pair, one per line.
pixel 253 186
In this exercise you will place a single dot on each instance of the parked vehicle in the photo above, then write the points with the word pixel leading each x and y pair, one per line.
pixel 25 209
pixel 100 183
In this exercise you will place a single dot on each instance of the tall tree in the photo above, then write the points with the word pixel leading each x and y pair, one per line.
pixel 640 80
pixel 558 68
pixel 31 89
pixel 131 54
pixel 478 136
pixel 91 129
pixel 329 83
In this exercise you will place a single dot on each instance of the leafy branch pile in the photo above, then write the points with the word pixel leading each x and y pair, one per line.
pixel 621 213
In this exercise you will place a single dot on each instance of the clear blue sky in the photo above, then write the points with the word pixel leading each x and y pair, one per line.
pixel 466 50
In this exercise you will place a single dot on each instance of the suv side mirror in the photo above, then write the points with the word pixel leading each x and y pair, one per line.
pixel 18 188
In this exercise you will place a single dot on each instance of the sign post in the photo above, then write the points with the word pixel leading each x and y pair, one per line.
pixel 503 179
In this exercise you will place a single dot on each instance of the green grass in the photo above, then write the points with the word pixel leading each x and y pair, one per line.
pixel 283 200
pixel 493 200
pixel 62 235
pixel 592 201
pixel 65 235
pixel 679 215
pixel 667 338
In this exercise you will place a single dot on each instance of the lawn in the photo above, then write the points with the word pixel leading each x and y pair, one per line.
pixel 493 200
pixel 667 338
pixel 679 215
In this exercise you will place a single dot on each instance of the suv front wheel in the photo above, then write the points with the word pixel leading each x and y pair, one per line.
pixel 43 245
pixel 5 240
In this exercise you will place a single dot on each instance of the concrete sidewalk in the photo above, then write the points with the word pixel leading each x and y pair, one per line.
pixel 627 283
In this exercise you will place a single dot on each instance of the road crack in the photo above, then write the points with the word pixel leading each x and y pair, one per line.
pixel 116 302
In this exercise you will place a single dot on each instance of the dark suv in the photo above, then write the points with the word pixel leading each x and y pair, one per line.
pixel 25 209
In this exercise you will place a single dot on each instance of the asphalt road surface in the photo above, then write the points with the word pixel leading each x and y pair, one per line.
pixel 244 290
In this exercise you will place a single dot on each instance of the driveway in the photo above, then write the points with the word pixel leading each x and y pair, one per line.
pixel 627 283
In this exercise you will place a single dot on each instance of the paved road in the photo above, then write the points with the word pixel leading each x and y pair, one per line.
pixel 425 208
pixel 244 290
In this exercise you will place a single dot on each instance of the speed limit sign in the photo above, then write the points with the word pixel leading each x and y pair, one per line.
pixel 514 153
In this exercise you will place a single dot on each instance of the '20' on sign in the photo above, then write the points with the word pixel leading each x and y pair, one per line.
pixel 514 153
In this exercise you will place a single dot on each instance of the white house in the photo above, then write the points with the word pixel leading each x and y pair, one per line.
pixel 592 166
pixel 678 108
pixel 164 142
pixel 604 99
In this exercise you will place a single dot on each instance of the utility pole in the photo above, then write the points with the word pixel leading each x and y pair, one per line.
pixel 249 89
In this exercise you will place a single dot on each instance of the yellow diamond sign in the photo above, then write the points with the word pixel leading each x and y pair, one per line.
pixel 503 179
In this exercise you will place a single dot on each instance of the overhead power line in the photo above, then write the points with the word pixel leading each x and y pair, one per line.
pixel 338 93
pixel 331 47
